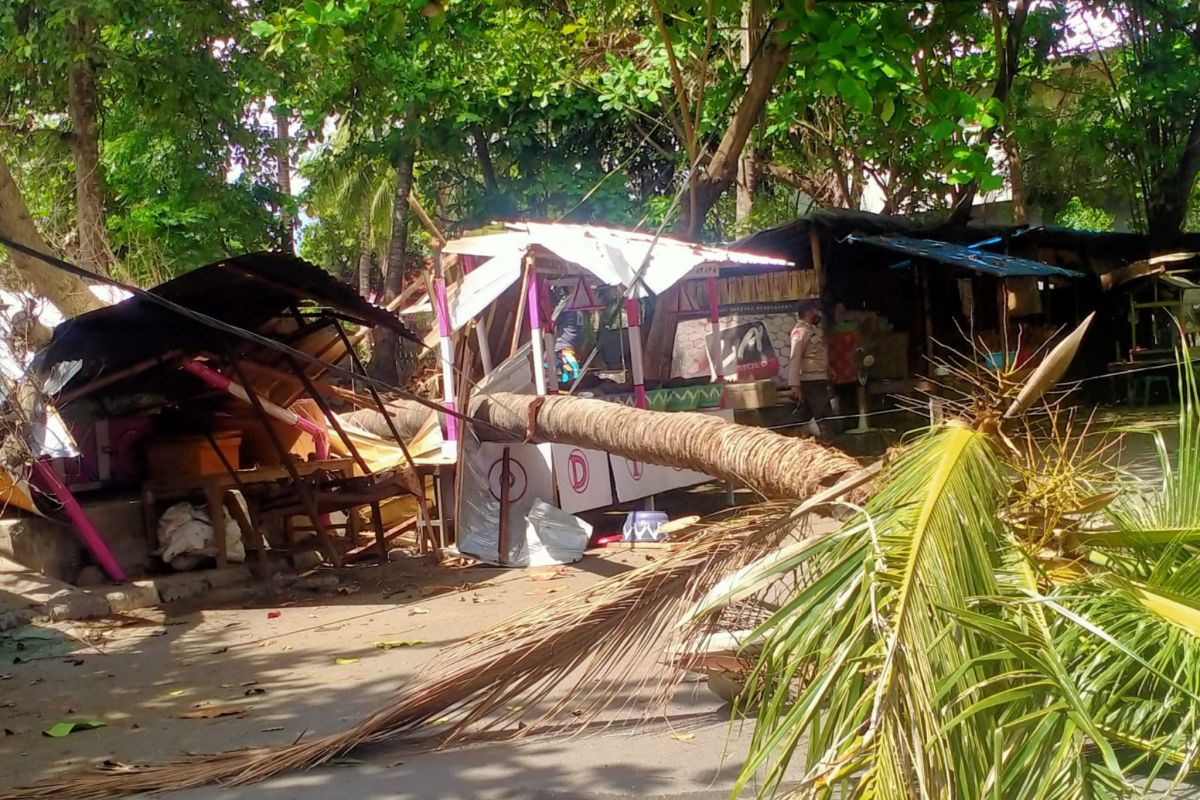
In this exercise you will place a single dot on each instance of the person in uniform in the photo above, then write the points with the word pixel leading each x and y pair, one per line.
pixel 808 372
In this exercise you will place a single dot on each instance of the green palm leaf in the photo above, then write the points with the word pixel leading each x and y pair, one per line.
pixel 865 661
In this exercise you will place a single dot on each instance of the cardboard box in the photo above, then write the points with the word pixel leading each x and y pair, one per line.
pixel 752 394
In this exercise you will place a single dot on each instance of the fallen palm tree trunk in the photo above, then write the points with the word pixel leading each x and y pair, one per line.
pixel 775 466
pixel 407 415
pixel 596 643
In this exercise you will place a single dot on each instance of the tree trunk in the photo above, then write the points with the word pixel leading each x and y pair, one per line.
pixel 1166 208
pixel 747 178
pixel 707 183
pixel 1009 28
pixel 283 172
pixel 1016 181
pixel 364 254
pixel 385 354
pixel 393 282
pixel 68 293
pixel 82 104
pixel 767 462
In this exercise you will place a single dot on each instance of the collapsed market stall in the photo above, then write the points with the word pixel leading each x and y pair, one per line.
pixel 176 410
pixel 520 290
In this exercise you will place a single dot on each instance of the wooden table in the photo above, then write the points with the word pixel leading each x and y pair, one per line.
pixel 214 488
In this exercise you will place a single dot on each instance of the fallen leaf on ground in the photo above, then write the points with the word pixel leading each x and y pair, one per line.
pixel 400 643
pixel 545 573
pixel 347 589
pixel 577 712
pixel 214 712
pixel 683 737
pixel 177 693
pixel 287 647
pixel 412 612
pixel 515 709
pixel 6 676
pixel 61 729
pixel 267 643
pixel 272 730
pixel 345 662
pixel 274 614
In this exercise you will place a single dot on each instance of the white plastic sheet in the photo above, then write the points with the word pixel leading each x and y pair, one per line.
pixel 185 534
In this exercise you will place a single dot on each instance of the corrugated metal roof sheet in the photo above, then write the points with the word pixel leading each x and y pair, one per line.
pixel 997 264
pixel 613 256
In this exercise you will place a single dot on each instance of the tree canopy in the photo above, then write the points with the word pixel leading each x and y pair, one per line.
pixel 149 137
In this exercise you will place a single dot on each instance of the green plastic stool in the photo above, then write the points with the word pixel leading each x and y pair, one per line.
pixel 1148 383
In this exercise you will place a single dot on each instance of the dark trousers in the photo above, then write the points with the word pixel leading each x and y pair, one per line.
pixel 815 405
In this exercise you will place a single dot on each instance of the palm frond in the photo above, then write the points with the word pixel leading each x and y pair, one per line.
pixel 862 661
pixel 591 649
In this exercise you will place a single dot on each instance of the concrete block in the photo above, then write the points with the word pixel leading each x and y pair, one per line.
pixel 139 594
pixel 120 523
pixel 43 545
pixel 184 585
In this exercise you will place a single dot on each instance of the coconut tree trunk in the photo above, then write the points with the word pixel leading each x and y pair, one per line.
pixel 82 104
pixel 364 254
pixel 68 293
pixel 386 351
pixel 774 465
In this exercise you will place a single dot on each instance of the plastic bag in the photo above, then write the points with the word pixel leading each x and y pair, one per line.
pixel 185 534
pixel 552 536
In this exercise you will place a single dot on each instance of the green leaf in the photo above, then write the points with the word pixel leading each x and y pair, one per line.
pixel 262 29
pixel 854 93
pixel 942 129
pixel 888 110
pixel 61 729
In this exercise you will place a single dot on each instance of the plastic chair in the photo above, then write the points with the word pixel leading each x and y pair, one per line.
pixel 1148 382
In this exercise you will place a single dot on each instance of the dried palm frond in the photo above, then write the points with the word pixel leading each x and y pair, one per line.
pixel 596 643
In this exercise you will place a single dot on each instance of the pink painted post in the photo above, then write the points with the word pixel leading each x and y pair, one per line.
pixel 450 444
pixel 537 343
pixel 716 353
pixel 83 526
pixel 633 314
pixel 286 416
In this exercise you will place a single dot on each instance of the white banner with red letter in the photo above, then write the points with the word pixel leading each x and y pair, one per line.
pixel 582 478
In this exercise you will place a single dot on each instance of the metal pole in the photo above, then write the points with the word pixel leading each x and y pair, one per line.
pixel 450 442
pixel 536 341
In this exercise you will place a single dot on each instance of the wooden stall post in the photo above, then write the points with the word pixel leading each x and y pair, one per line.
pixel 502 539
pixel 307 498
pixel 716 350
pixel 633 313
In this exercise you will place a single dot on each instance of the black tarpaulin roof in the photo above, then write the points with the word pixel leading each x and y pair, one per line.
pixel 248 291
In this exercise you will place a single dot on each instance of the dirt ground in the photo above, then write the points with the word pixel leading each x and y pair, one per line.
pixel 299 662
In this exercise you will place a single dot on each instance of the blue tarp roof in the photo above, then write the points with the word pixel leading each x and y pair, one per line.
pixel 997 264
